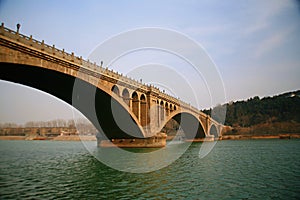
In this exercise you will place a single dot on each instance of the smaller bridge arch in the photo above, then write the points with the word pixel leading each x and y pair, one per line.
pixel 126 97
pixel 143 111
pixel 161 111
pixel 115 89
pixel 213 131
pixel 135 105
pixel 171 108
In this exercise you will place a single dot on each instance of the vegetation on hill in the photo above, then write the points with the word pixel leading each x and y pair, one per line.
pixel 269 115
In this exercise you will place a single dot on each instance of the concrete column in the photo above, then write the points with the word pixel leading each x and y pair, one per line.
pixel 167 112
pixel 136 108
pixel 158 114
pixel 162 113
pixel 130 103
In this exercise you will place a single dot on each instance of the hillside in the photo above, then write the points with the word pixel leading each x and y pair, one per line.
pixel 270 115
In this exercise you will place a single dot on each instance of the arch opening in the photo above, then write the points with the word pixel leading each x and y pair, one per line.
pixel 161 111
pixel 190 125
pixel 125 96
pixel 171 108
pixel 172 128
pixel 167 109
pixel 144 112
pixel 135 105
pixel 115 90
pixel 157 113
pixel 213 131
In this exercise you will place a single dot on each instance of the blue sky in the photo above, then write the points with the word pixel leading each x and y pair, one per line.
pixel 254 44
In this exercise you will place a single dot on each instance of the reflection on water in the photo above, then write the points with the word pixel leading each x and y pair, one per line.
pixel 138 160
pixel 265 169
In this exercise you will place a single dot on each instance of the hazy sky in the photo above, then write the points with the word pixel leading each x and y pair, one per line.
pixel 254 44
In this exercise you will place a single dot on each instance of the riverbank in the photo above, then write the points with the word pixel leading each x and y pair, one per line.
pixel 257 137
pixel 93 138
pixel 13 137
pixel 58 138
pixel 244 137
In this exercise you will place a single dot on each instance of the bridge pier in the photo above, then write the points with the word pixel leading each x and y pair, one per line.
pixel 208 138
pixel 157 141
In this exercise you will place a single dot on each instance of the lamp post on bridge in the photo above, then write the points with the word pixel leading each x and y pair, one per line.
pixel 18 27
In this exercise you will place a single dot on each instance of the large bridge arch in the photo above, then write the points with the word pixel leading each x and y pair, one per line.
pixel 189 122
pixel 61 85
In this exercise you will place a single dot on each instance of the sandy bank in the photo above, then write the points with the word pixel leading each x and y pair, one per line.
pixel 58 138
pixel 12 137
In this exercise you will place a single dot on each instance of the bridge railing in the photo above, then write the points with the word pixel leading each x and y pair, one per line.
pixel 61 54
pixel 41 45
pixel 52 50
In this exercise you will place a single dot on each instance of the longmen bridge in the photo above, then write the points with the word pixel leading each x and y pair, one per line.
pixel 122 109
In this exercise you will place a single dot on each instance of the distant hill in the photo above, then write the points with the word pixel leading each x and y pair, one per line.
pixel 269 115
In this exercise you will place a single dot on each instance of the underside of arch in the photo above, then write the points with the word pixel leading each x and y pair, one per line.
pixel 214 131
pixel 190 125
pixel 61 86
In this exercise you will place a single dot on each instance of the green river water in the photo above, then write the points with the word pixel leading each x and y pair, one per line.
pixel 245 169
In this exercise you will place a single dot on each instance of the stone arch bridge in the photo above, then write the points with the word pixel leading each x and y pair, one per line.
pixel 120 108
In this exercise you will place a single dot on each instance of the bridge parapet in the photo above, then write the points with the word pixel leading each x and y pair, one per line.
pixel 70 57
pixel 41 45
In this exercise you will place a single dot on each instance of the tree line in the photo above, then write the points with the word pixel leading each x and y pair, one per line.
pixel 68 123
pixel 254 111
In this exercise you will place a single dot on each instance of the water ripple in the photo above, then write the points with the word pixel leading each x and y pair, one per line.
pixel 262 169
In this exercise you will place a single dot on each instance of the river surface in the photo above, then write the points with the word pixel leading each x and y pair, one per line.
pixel 245 169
